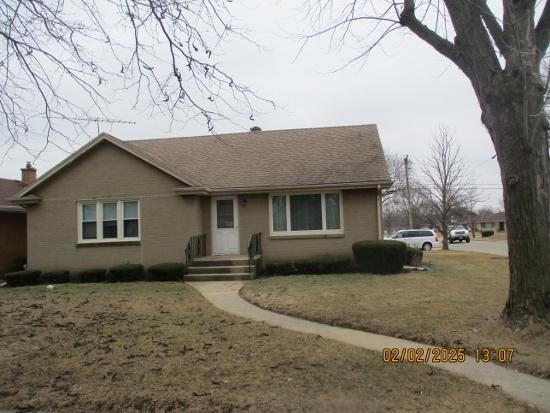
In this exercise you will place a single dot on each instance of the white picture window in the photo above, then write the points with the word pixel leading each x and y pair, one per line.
pixel 306 213
pixel 109 220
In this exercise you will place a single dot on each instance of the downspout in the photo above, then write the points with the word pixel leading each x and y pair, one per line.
pixel 379 208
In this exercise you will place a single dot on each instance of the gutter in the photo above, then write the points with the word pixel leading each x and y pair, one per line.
pixel 12 208
pixel 25 200
pixel 264 189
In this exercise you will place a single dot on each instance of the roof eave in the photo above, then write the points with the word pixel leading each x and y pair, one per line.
pixel 25 200
pixel 278 188
pixel 192 190
pixel 12 208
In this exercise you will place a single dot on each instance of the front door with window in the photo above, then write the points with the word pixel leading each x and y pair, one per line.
pixel 225 226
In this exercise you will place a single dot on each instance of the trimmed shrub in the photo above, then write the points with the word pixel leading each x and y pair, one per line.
pixel 20 278
pixel 170 271
pixel 126 272
pixel 280 268
pixel 380 257
pixel 324 265
pixel 487 233
pixel 55 277
pixel 93 275
pixel 317 265
pixel 414 257
pixel 19 263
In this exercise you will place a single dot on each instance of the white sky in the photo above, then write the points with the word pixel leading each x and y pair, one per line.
pixel 407 89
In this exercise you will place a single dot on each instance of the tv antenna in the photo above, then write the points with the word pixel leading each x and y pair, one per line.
pixel 100 120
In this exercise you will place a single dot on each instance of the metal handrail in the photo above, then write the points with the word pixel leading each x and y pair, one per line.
pixel 196 247
pixel 254 248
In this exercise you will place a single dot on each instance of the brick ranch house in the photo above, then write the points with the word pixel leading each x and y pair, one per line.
pixel 277 194
pixel 493 220
pixel 13 222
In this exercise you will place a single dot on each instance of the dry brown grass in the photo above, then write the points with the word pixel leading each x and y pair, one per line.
pixel 457 304
pixel 161 347
pixel 499 236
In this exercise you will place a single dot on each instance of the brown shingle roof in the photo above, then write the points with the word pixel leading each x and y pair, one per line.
pixel 282 158
pixel 8 188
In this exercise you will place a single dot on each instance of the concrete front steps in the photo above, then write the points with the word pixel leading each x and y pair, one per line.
pixel 222 268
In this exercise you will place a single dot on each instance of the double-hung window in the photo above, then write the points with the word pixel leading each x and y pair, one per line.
pixel 307 213
pixel 106 221
pixel 110 221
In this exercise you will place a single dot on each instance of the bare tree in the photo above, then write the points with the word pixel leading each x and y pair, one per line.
pixel 395 206
pixel 397 173
pixel 393 198
pixel 501 56
pixel 60 60
pixel 447 190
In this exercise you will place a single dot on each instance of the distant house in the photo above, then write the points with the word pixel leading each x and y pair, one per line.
pixel 491 220
pixel 13 222
pixel 281 194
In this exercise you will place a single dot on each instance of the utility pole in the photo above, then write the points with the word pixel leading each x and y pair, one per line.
pixel 409 207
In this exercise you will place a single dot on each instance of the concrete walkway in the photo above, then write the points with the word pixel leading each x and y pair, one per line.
pixel 530 389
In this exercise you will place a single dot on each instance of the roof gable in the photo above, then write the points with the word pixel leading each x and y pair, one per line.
pixel 104 137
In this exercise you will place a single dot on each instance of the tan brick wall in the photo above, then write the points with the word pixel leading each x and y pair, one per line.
pixel 206 207
pixel 360 223
pixel 13 239
pixel 167 220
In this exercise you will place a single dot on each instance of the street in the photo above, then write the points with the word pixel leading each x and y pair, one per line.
pixel 490 247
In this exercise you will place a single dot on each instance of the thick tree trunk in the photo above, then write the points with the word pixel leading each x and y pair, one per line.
pixel 445 240
pixel 512 110
pixel 510 92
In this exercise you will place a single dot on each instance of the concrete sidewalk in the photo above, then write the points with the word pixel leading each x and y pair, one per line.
pixel 524 387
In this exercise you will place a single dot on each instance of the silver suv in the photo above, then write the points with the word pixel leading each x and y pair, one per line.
pixel 458 234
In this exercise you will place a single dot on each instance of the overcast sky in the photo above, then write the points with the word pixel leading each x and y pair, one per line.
pixel 407 89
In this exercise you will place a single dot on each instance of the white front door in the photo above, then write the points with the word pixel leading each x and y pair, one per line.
pixel 225 226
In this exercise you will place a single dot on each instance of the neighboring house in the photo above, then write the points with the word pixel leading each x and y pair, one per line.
pixel 307 191
pixel 13 222
pixel 494 220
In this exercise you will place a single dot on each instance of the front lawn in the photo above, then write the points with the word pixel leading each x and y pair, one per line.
pixel 161 347
pixel 457 304
pixel 498 236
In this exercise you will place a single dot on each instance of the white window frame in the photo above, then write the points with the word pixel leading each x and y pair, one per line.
pixel 99 221
pixel 323 231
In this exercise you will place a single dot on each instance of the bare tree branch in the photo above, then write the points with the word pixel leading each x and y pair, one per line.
pixel 443 46
pixel 164 51
pixel 542 30
pixel 492 24
pixel 471 35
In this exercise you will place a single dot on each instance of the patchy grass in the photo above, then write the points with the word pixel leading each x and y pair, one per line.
pixel 457 304
pixel 161 347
